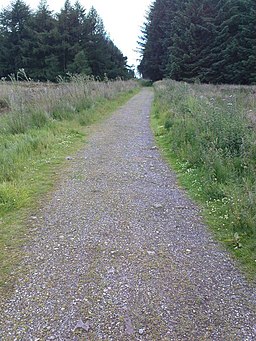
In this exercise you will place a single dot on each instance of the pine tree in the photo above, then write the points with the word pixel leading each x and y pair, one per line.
pixel 155 39
pixel 48 45
pixel 240 67
pixel 3 52
pixel 15 31
pixel 95 42
pixel 190 53
pixel 68 24
pixel 209 41
pixel 115 62
pixel 80 65
pixel 43 64
pixel 105 59
pixel 248 37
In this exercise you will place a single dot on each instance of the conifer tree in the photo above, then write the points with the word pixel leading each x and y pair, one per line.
pixel 190 53
pixel 205 40
pixel 47 45
pixel 15 31
pixel 42 61
pixel 154 43
pixel 248 37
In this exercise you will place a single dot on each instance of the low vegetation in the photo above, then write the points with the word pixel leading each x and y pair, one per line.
pixel 208 134
pixel 40 125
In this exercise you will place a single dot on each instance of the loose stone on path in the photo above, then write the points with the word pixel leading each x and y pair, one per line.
pixel 119 252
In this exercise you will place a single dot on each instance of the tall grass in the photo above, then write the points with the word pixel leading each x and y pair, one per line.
pixel 32 105
pixel 39 116
pixel 40 124
pixel 208 132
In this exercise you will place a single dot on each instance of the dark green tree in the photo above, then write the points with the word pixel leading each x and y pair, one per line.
pixel 95 43
pixel 43 64
pixel 115 61
pixel 15 32
pixel 48 45
pixel 68 28
pixel 208 41
pixel 80 64
pixel 105 59
pixel 248 39
pixel 190 52
pixel 234 48
pixel 154 42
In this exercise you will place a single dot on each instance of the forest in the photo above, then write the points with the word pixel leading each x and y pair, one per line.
pixel 208 41
pixel 48 45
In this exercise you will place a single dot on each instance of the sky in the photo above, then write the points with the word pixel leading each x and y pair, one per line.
pixel 122 20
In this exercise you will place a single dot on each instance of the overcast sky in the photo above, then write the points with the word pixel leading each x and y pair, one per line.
pixel 122 19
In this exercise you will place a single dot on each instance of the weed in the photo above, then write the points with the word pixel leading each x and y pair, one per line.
pixel 45 124
pixel 208 138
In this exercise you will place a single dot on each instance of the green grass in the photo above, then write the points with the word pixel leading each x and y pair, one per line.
pixel 205 133
pixel 31 162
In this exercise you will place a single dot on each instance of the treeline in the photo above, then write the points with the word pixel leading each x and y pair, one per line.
pixel 48 45
pixel 212 41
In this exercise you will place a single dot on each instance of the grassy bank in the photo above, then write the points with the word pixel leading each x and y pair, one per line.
pixel 40 125
pixel 208 135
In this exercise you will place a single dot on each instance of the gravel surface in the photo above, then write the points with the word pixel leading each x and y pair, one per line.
pixel 119 252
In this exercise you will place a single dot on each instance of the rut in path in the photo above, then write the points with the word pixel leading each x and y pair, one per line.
pixel 120 252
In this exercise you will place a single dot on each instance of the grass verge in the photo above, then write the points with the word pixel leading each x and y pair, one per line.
pixel 32 162
pixel 206 135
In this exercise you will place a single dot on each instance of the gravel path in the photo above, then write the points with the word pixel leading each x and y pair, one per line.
pixel 120 253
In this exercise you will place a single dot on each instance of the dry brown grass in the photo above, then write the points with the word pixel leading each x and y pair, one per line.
pixel 19 96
